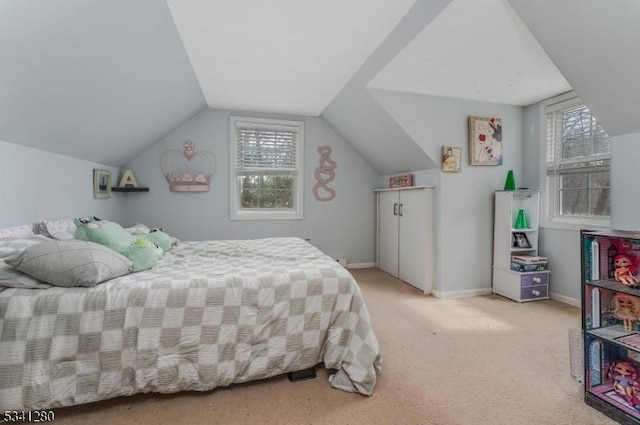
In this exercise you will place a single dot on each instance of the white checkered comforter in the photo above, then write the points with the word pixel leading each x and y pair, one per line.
pixel 209 314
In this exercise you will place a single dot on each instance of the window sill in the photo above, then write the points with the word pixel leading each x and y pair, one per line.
pixel 265 215
pixel 575 225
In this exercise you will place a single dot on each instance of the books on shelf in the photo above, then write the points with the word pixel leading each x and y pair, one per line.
pixel 595 260
pixel 528 263
pixel 529 259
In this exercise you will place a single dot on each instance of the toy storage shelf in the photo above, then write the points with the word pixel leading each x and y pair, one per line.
pixel 614 335
pixel 608 342
pixel 517 285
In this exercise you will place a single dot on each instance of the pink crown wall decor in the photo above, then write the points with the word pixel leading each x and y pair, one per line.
pixel 188 170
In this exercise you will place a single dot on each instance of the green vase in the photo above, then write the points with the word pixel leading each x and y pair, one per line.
pixel 510 183
pixel 521 220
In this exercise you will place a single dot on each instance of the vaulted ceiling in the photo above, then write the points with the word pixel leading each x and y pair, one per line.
pixel 102 81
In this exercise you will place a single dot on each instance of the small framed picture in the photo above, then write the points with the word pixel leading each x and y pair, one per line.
pixel 451 159
pixel 520 240
pixel 401 180
pixel 101 184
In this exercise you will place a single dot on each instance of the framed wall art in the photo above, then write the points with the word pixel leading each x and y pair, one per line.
pixel 451 159
pixel 101 184
pixel 485 141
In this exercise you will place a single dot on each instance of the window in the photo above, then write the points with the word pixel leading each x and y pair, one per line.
pixel 576 163
pixel 266 168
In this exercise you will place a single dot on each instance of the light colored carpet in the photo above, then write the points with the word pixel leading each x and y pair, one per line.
pixel 480 360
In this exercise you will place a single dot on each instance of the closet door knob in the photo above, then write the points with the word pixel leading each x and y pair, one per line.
pixel 395 209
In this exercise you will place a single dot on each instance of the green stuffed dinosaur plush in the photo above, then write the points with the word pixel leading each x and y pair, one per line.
pixel 142 250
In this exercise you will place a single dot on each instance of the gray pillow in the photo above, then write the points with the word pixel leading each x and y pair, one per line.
pixel 71 263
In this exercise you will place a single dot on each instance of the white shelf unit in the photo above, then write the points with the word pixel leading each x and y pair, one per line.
pixel 405 235
pixel 519 286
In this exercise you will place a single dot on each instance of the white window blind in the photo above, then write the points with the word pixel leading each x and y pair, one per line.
pixel 576 142
pixel 266 150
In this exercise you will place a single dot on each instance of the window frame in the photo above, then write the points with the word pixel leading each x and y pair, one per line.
pixel 551 217
pixel 238 213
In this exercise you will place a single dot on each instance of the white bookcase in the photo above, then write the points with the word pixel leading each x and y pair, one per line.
pixel 519 286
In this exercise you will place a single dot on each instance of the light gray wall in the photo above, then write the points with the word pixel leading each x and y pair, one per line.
pixel 531 147
pixel 594 44
pixel 344 227
pixel 359 118
pixel 38 185
pixel 96 80
pixel 625 190
pixel 464 209
pixel 562 247
pixel 600 66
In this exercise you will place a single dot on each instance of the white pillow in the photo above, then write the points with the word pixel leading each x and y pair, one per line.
pixel 12 278
pixel 17 231
pixel 12 246
pixel 139 229
pixel 61 229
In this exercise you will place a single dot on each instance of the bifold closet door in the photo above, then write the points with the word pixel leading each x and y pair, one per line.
pixel 413 236
pixel 388 210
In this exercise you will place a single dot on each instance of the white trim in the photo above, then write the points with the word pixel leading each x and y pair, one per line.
pixel 361 265
pixel 264 215
pixel 566 300
pixel 295 213
pixel 461 294
pixel 576 227
pixel 386 189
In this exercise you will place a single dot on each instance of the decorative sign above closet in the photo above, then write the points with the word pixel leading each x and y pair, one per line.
pixel 188 170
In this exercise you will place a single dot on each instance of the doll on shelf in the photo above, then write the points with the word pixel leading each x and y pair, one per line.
pixel 626 308
pixel 623 272
pixel 624 377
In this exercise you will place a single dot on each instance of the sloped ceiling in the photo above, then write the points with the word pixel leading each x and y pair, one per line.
pixel 286 56
pixel 596 46
pixel 476 50
pixel 102 81
pixel 368 127
pixel 96 80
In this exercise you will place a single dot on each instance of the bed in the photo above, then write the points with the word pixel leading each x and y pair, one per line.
pixel 209 314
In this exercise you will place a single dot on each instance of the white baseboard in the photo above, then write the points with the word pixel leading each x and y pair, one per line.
pixel 361 265
pixel 565 299
pixel 461 294
pixel 487 291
